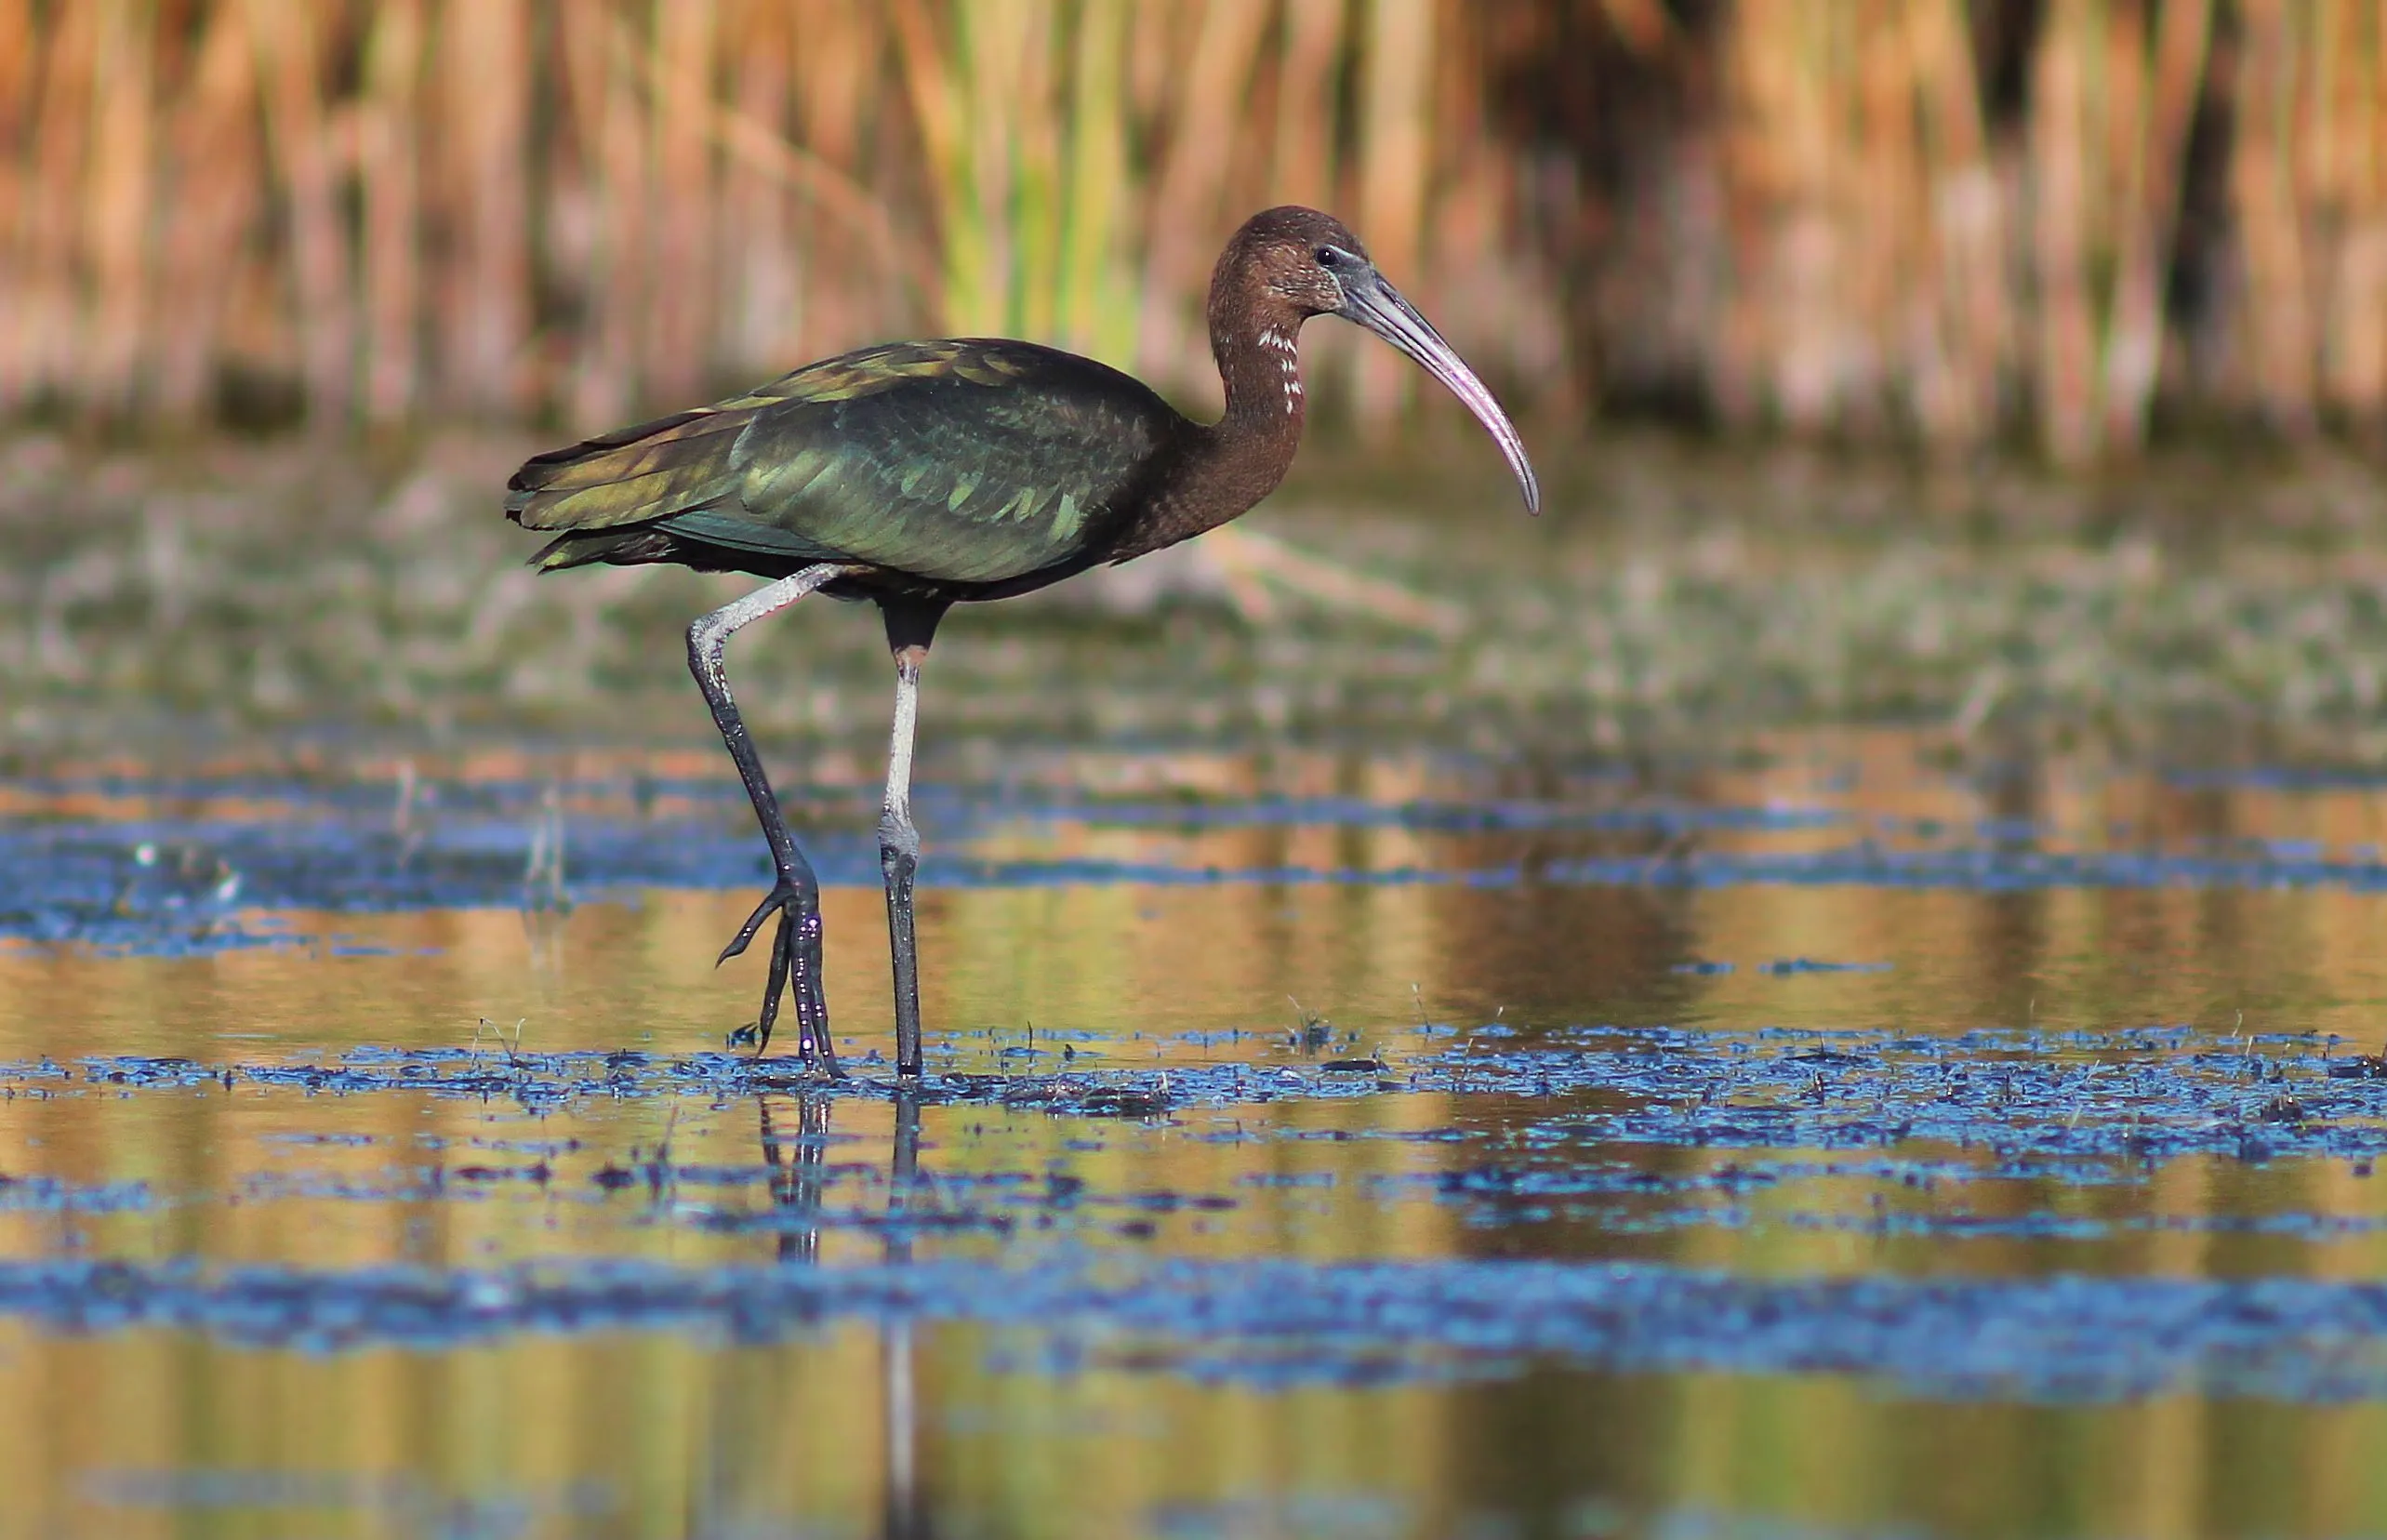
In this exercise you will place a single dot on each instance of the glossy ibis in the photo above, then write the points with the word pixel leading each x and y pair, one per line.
pixel 920 474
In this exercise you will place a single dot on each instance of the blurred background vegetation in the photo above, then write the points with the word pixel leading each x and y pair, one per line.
pixel 2061 222
pixel 2016 243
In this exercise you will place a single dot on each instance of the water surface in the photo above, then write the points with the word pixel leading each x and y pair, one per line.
pixel 1846 1136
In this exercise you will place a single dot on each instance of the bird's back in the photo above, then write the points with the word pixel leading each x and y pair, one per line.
pixel 964 461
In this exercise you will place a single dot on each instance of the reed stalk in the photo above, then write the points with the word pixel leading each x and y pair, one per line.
pixel 2163 91
pixel 680 213
pixel 1392 173
pixel 2282 343
pixel 388 135
pixel 1962 349
pixel 1312 42
pixel 214 190
pixel 49 266
pixel 2350 187
pixel 119 199
pixel 483 152
pixel 1195 123
pixel 761 302
pixel 2062 205
pixel 1097 297
pixel 610 379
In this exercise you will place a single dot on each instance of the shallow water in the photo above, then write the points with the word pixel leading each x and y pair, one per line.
pixel 1840 1137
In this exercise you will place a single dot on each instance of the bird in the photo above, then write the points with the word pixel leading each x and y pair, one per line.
pixel 919 475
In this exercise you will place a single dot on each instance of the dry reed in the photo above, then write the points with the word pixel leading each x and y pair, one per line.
pixel 1866 218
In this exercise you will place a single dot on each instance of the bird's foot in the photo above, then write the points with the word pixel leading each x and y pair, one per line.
pixel 795 966
pixel 789 900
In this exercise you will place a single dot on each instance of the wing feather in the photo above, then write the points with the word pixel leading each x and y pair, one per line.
pixel 967 460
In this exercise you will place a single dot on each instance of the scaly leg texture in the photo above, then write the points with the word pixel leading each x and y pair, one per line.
pixel 899 859
pixel 795 896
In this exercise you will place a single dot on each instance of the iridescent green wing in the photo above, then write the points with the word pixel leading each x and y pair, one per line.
pixel 965 462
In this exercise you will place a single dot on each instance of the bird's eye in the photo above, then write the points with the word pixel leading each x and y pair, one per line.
pixel 1327 256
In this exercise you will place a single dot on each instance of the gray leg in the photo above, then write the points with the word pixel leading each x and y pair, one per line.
pixel 899 859
pixel 795 898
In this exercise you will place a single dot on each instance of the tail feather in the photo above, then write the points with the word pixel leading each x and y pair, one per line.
pixel 630 476
pixel 614 546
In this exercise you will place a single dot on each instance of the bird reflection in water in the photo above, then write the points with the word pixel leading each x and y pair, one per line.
pixel 799 1181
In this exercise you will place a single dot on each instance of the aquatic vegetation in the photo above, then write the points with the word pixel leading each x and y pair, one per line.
pixel 1665 600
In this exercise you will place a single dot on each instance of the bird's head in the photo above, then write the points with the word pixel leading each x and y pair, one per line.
pixel 1301 258
pixel 1307 263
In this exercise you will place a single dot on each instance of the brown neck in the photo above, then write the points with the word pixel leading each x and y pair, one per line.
pixel 1228 465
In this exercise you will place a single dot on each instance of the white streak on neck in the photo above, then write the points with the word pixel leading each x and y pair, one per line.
pixel 1288 351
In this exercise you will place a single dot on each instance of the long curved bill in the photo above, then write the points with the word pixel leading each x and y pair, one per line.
pixel 1379 306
